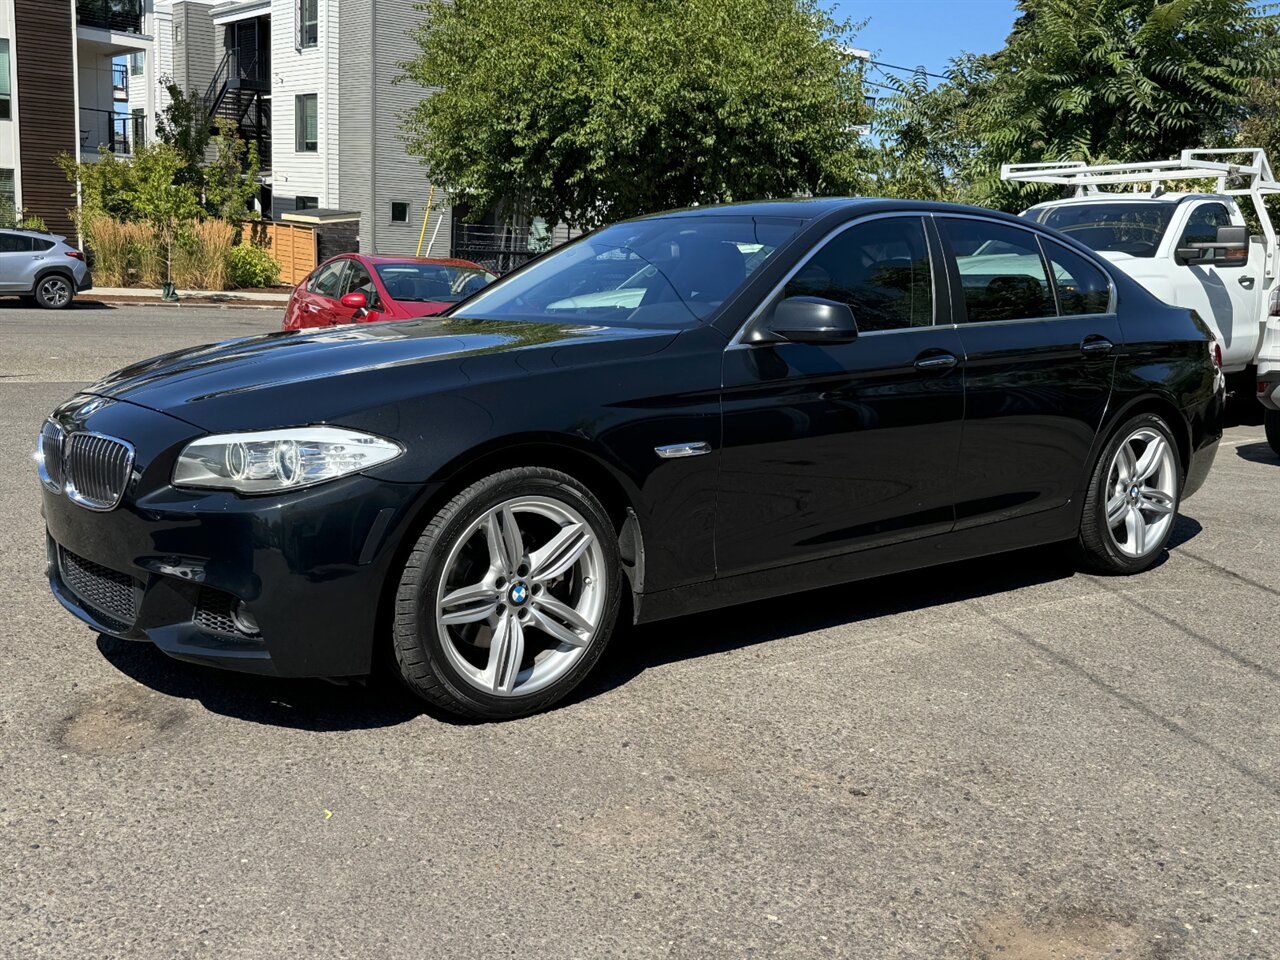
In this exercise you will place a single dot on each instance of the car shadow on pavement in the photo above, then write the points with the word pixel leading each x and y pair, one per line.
pixel 743 626
pixel 13 303
pixel 381 702
pixel 299 704
pixel 1260 452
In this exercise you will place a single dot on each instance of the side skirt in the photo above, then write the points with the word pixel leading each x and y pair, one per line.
pixel 980 541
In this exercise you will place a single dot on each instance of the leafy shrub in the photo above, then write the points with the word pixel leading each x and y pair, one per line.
pixel 253 266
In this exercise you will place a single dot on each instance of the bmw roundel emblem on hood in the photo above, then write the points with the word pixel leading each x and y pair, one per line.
pixel 93 406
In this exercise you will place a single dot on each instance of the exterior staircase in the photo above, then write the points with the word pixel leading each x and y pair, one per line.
pixel 241 93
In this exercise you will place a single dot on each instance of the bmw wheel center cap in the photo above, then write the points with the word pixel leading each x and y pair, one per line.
pixel 518 594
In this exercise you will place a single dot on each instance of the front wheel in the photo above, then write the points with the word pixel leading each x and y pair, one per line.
pixel 1133 496
pixel 509 596
pixel 1271 420
pixel 54 292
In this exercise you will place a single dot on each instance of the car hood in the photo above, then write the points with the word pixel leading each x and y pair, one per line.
pixel 314 376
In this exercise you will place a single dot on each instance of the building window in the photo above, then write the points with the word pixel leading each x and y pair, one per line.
pixel 306 123
pixel 137 62
pixel 399 211
pixel 306 203
pixel 307 19
pixel 6 109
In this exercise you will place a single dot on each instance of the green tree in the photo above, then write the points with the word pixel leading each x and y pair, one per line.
pixel 159 198
pixel 104 184
pixel 231 176
pixel 921 137
pixel 184 125
pixel 585 111
pixel 1113 80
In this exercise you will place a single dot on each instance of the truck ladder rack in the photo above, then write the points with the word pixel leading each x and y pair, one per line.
pixel 1239 172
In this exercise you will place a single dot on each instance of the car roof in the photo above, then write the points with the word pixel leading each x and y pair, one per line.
pixel 815 208
pixel 377 259
pixel 40 234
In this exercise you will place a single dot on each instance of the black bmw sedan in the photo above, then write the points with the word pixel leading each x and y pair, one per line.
pixel 670 414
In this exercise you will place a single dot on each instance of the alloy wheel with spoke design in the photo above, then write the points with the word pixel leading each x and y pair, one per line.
pixel 54 292
pixel 1141 490
pixel 522 595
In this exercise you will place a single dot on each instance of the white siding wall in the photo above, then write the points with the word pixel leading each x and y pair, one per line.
pixel 164 54
pixel 399 176
pixel 377 170
pixel 297 73
pixel 9 128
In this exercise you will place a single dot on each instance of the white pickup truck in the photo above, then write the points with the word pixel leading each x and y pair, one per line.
pixel 1189 249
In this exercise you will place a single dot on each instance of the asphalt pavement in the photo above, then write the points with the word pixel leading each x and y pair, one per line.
pixel 1002 759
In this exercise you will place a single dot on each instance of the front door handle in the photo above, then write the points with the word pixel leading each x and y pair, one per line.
pixel 1096 345
pixel 937 361
pixel 1246 282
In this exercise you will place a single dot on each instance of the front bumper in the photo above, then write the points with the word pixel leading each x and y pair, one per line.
pixel 167 565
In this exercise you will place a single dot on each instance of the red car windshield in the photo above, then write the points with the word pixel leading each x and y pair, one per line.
pixel 433 282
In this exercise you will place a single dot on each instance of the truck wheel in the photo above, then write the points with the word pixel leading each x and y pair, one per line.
pixel 1271 419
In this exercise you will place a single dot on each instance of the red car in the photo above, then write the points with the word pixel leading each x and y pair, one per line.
pixel 353 288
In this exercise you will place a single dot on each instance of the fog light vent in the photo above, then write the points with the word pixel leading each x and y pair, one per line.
pixel 219 612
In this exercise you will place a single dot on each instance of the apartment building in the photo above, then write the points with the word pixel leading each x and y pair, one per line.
pixel 311 82
pixel 66 87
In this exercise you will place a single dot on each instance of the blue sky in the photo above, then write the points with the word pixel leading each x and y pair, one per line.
pixel 929 32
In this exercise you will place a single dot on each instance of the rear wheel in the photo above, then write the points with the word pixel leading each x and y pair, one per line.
pixel 54 292
pixel 1132 501
pixel 509 596
pixel 1271 419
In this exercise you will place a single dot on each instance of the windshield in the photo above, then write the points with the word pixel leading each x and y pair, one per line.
pixel 434 282
pixel 1132 228
pixel 666 272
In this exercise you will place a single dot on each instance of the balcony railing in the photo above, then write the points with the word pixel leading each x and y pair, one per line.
pixel 120 81
pixel 121 15
pixel 121 133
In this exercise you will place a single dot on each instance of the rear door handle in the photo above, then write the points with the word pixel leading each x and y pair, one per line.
pixel 937 361
pixel 1246 282
pixel 1096 345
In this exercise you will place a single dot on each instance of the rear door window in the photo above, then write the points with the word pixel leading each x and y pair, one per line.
pixel 14 243
pixel 1001 272
pixel 1082 286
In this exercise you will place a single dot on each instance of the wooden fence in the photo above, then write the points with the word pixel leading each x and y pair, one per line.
pixel 292 245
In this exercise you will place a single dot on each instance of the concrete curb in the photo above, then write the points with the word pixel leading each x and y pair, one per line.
pixel 182 304
pixel 221 296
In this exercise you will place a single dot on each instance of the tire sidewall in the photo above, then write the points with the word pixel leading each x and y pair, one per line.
pixel 1096 501
pixel 42 300
pixel 442 534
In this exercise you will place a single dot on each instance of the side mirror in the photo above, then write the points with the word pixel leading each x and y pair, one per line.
pixel 355 301
pixel 810 320
pixel 1230 244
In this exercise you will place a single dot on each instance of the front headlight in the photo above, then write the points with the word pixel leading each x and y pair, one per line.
pixel 276 460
